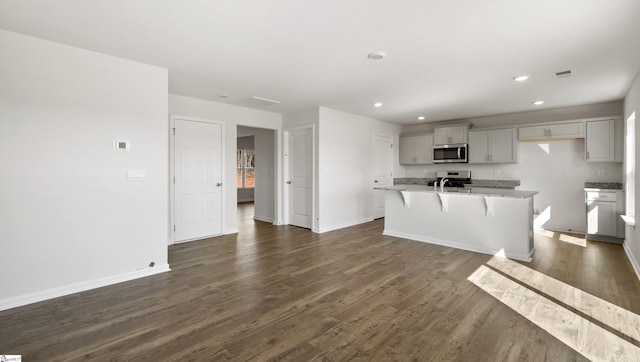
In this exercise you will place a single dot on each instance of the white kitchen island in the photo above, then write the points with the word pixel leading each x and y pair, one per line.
pixel 483 220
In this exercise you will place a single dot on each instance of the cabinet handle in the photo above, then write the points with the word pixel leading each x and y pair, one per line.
pixel 587 155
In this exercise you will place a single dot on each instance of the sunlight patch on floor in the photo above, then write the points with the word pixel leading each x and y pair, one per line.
pixel 581 334
pixel 573 240
pixel 566 238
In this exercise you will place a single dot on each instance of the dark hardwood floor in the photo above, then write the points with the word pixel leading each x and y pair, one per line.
pixel 284 293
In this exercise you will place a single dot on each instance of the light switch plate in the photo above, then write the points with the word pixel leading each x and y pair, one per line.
pixel 136 175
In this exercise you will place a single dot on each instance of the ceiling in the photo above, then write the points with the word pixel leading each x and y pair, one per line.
pixel 445 59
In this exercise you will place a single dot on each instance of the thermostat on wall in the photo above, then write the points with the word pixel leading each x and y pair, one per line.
pixel 121 145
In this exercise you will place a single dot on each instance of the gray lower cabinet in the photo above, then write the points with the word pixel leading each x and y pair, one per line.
pixel 603 213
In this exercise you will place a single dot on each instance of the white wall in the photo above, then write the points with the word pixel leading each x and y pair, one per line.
pixel 343 194
pixel 344 161
pixel 264 191
pixel 232 116
pixel 70 219
pixel 632 239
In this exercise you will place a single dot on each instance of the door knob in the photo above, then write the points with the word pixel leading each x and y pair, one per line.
pixel 219 184
pixel 376 181
pixel 289 182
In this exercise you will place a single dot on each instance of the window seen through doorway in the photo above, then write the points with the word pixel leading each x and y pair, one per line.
pixel 246 163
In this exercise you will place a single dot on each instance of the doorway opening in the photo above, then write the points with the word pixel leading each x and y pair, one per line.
pixel 256 173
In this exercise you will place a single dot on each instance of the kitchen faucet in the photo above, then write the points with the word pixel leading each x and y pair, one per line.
pixel 444 181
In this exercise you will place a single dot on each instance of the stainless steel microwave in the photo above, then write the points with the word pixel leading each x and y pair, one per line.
pixel 456 153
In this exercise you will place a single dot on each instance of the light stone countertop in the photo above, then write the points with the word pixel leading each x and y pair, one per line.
pixel 476 191
pixel 596 189
pixel 603 186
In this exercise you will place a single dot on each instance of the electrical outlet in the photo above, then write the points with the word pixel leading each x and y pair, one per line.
pixel 600 173
pixel 496 172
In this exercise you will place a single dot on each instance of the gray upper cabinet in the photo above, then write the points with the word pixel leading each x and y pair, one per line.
pixel 551 132
pixel 416 150
pixel 494 146
pixel 604 141
pixel 450 135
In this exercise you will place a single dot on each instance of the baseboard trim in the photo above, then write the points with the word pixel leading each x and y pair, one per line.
pixel 344 225
pixel 451 244
pixel 262 218
pixel 231 231
pixel 22 300
pixel 632 259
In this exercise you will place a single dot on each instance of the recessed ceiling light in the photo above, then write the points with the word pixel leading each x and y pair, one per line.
pixel 377 104
pixel 521 78
pixel 376 55
pixel 421 118
pixel 537 103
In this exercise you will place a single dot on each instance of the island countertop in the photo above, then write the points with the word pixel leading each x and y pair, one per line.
pixel 477 191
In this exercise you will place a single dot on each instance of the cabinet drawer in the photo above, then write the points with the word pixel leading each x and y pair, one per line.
pixel 602 196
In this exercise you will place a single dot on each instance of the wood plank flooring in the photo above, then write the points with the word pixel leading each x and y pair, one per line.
pixel 284 293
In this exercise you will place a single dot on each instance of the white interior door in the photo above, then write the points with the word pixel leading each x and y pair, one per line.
pixel 198 180
pixel 300 177
pixel 382 171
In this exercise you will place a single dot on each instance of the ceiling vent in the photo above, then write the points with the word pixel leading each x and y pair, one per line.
pixel 563 74
pixel 262 102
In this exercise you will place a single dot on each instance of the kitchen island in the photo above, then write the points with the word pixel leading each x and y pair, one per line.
pixel 484 220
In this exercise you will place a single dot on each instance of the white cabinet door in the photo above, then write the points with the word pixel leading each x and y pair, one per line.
pixel 493 146
pixel 503 146
pixel 479 147
pixel 441 136
pixel 406 150
pixel 458 134
pixel 423 149
pixel 566 130
pixel 532 133
pixel 552 131
pixel 599 142
pixel 601 218
pixel 416 150
pixel 450 135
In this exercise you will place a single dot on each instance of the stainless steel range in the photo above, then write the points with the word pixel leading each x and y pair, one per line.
pixel 452 178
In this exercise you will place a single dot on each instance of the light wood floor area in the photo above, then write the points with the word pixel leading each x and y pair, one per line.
pixel 284 293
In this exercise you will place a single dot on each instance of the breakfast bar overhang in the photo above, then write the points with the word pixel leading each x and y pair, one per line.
pixel 483 220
